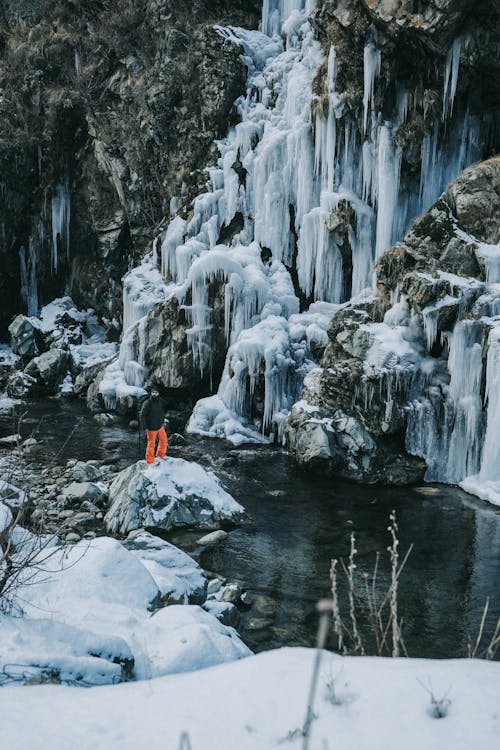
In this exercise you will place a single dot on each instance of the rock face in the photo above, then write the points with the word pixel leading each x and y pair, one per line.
pixel 84 184
pixel 406 371
pixel 173 494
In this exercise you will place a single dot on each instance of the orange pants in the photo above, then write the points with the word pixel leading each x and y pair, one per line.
pixel 162 444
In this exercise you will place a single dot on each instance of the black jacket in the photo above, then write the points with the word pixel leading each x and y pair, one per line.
pixel 153 413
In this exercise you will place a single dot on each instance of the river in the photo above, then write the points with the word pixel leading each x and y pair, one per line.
pixel 298 523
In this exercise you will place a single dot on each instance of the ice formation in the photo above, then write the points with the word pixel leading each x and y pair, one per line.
pixel 61 215
pixel 310 202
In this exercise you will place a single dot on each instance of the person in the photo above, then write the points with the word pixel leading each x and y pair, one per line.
pixel 152 417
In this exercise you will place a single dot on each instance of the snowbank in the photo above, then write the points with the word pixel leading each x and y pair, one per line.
pixel 259 703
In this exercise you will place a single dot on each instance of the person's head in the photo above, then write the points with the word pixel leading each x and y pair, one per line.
pixel 154 391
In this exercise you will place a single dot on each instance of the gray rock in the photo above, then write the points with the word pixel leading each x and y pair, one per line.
pixel 76 492
pixel 81 522
pixel 231 593
pixel 173 494
pixel 50 367
pixel 85 472
pixel 72 537
pixel 225 612
pixel 24 337
pixel 213 538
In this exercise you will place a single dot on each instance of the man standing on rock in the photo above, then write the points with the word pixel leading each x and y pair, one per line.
pixel 152 417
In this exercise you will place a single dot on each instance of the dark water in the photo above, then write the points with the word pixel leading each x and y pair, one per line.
pixel 297 524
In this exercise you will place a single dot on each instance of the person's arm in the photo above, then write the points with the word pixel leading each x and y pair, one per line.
pixel 144 414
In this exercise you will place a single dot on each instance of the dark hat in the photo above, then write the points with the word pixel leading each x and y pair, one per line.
pixel 154 387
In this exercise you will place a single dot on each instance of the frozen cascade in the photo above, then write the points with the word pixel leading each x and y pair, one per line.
pixel 61 215
pixel 276 12
pixel 293 164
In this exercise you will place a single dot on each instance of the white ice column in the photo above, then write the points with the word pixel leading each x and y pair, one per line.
pixel 466 366
pixel 61 214
pixel 388 174
pixel 451 77
pixel 371 69
pixel 490 464
pixel 276 12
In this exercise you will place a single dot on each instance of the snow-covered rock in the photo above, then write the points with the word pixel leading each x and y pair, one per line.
pixel 213 538
pixel 37 651
pixel 178 576
pixel 186 638
pixel 107 592
pixel 169 494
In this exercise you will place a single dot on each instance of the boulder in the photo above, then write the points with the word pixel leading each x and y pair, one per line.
pixel 178 577
pixel 77 492
pixel 24 336
pixel 50 367
pixel 170 494
pixel 20 384
pixel 85 472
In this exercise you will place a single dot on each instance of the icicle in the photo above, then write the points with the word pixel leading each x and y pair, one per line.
pixel 388 173
pixel 61 215
pixel 372 61
pixel 451 77
pixel 29 293
pixel 174 237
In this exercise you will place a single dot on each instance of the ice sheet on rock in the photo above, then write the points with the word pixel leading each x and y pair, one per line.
pixel 390 346
pixel 143 287
pixel 212 418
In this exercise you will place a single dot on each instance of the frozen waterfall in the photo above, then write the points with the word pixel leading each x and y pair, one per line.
pixel 314 202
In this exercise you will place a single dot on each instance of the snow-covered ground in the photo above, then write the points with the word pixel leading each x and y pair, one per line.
pixel 260 703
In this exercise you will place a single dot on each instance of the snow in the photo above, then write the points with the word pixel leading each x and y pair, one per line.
pixel 175 574
pixel 260 702
pixel 7 356
pixel 98 592
pixel 7 405
pixel 91 354
pixel 30 649
pixel 177 478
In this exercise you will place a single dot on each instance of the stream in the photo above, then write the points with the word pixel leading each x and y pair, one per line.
pixel 297 524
